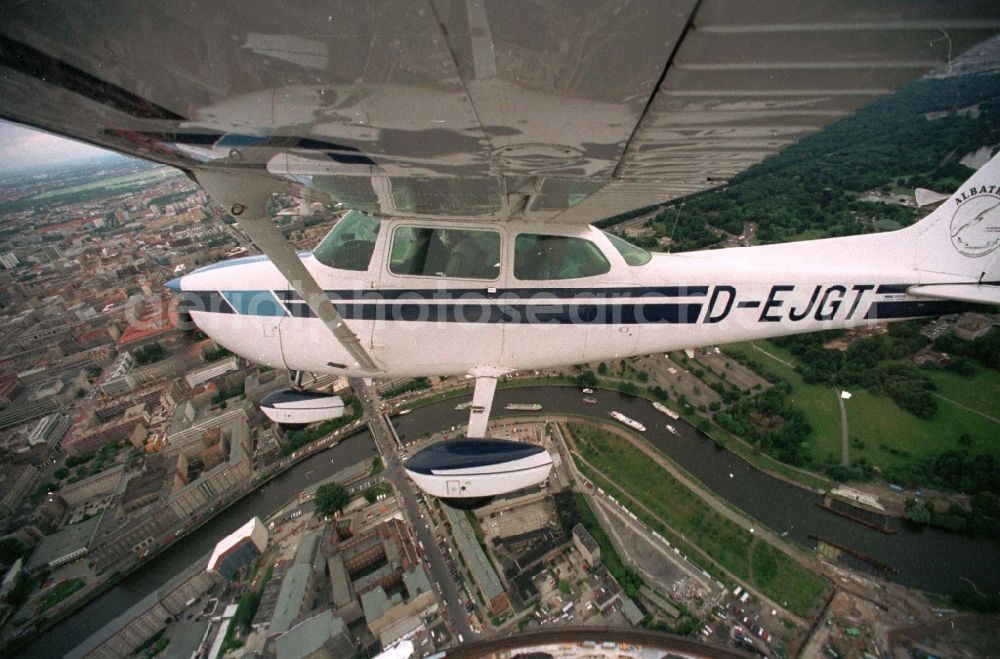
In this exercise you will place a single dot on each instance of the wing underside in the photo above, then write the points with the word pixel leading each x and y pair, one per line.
pixel 472 109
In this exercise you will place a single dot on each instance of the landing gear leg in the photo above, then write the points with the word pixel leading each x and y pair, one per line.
pixel 482 402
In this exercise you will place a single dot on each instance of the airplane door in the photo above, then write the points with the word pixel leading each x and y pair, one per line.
pixel 431 317
pixel 271 330
pixel 454 488
pixel 308 345
pixel 254 329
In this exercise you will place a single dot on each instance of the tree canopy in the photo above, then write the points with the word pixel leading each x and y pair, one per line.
pixel 820 186
pixel 330 498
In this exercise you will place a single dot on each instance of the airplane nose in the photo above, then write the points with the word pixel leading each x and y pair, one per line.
pixel 174 284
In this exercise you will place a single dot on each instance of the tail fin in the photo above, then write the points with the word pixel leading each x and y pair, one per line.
pixel 961 239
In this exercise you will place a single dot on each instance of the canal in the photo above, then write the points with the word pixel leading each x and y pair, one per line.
pixel 928 559
pixel 268 498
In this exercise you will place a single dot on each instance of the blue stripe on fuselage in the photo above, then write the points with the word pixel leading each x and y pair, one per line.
pixel 516 314
pixel 626 306
pixel 888 310
pixel 515 294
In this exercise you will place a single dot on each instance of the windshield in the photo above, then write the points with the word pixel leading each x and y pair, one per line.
pixel 633 255
pixel 350 243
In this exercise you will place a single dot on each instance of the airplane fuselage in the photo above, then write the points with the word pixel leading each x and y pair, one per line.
pixel 443 325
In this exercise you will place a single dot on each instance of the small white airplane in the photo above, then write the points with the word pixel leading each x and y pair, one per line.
pixel 456 298
pixel 476 144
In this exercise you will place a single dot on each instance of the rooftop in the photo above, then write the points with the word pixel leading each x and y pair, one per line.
pixel 306 551
pixel 309 635
pixel 234 538
pixel 631 611
pixel 67 541
pixel 156 319
pixel 375 603
pixel 340 582
pixel 416 581
pixel 289 603
pixel 478 563
pixel 585 538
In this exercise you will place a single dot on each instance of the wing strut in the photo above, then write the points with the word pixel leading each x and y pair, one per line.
pixel 246 198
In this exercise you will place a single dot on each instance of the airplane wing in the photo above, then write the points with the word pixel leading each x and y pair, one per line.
pixel 472 109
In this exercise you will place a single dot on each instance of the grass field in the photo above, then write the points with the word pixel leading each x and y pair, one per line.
pixel 890 436
pixel 58 593
pixel 980 392
pixel 777 575
pixel 128 180
pixel 818 402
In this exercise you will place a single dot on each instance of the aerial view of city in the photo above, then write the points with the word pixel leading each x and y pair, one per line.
pixel 246 425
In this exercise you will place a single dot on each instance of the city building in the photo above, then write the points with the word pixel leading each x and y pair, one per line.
pixel 118 382
pixel 403 629
pixel 322 636
pixel 238 548
pixel 49 430
pixel 124 634
pixel 52 252
pixel 604 589
pixel 586 545
pixel 971 326
pixel 154 322
pixel 340 582
pixel 16 482
pixel 9 260
pixel 479 565
pixel 24 412
pixel 212 371
pixel 382 610
pixel 230 432
pixel 10 578
pixel 99 485
pixel 10 387
pixel 94 430
pixel 632 612
pixel 122 539
pixel 298 589
pixel 67 545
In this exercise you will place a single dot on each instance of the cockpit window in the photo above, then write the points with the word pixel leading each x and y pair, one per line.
pixel 556 257
pixel 633 255
pixel 350 243
pixel 432 252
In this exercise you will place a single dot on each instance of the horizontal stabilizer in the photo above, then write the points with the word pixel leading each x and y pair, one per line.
pixel 976 293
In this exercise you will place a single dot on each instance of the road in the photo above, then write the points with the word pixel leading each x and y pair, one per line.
pixel 966 407
pixel 771 355
pixel 386 445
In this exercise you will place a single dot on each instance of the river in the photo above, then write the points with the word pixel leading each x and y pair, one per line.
pixel 928 559
pixel 159 569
